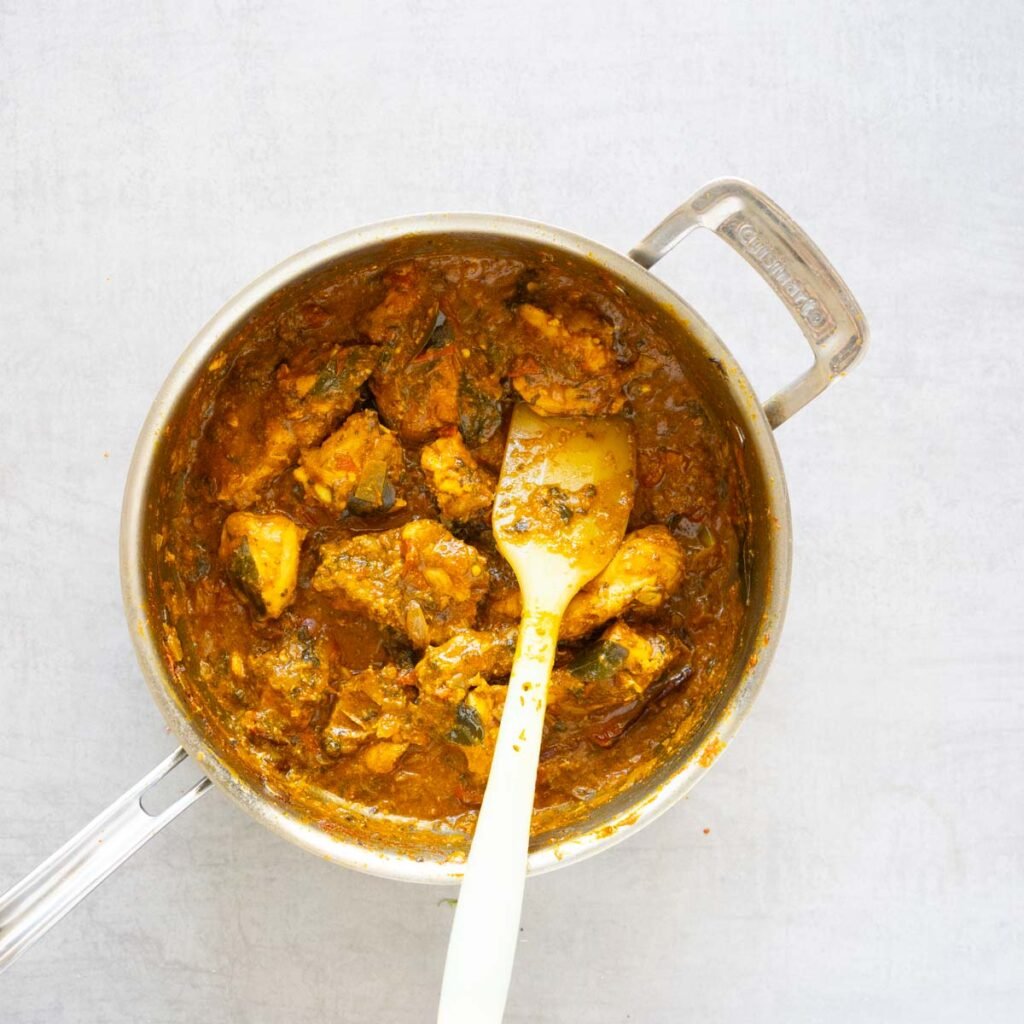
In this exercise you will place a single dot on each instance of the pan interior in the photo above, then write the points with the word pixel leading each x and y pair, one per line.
pixel 378 842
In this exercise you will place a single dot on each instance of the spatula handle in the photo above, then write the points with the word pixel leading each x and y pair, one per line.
pixel 482 946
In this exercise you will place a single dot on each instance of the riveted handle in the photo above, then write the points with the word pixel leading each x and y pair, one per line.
pixel 34 905
pixel 776 247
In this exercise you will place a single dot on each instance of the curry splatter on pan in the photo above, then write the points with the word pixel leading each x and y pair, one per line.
pixel 308 572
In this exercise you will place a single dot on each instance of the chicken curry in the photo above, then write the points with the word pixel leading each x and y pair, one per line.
pixel 328 592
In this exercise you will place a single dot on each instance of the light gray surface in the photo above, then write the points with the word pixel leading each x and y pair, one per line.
pixel 865 859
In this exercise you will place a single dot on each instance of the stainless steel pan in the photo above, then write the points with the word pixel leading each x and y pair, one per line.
pixel 834 327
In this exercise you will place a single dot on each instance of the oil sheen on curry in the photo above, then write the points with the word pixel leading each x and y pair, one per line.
pixel 327 588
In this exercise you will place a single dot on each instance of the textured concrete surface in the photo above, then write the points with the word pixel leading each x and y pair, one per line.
pixel 865 860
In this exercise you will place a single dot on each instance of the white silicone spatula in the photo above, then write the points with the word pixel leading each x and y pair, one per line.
pixel 563 501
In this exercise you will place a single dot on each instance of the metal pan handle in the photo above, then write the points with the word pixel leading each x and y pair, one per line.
pixel 775 246
pixel 36 903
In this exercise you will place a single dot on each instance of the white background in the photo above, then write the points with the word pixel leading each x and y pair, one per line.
pixel 865 860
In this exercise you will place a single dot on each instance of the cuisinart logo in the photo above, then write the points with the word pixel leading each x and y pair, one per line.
pixel 807 306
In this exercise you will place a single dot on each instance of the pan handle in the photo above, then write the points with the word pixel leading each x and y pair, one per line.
pixel 36 903
pixel 775 246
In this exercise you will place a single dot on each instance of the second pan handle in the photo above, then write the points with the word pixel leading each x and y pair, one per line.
pixel 35 904
pixel 780 251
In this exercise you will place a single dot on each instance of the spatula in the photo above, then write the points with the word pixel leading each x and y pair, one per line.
pixel 562 504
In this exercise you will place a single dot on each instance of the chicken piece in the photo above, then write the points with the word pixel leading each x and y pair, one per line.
pixel 371 705
pixel 447 671
pixel 252 442
pixel 420 392
pixel 354 468
pixel 416 578
pixel 381 758
pixel 402 323
pixel 504 603
pixel 298 670
pixel 386 688
pixel 463 488
pixel 607 686
pixel 351 723
pixel 567 366
pixel 427 379
pixel 616 669
pixel 269 725
pixel 261 553
pixel 422 398
pixel 648 654
pixel 644 571
pixel 475 729
pixel 308 321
